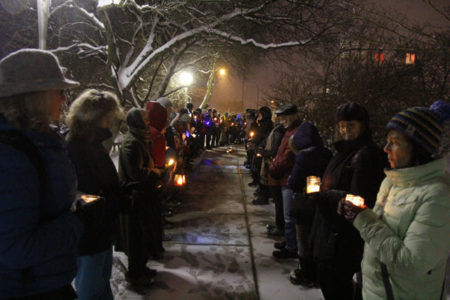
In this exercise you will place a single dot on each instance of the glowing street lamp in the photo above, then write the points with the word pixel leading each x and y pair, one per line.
pixel 185 78
pixel 222 71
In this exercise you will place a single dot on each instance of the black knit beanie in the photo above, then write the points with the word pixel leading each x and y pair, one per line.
pixel 352 111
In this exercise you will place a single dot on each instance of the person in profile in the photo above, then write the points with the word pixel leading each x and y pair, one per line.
pixel 407 233
pixel 89 118
pixel 39 234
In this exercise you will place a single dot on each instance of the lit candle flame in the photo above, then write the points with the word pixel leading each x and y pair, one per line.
pixel 89 198
pixel 252 134
pixel 171 162
pixel 312 184
pixel 355 200
pixel 180 179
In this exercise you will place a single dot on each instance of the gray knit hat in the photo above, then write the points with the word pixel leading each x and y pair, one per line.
pixel 31 70
pixel 165 102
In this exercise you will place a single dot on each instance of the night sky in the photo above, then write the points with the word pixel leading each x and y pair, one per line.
pixel 229 89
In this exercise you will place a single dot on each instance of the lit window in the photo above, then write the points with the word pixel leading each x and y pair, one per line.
pixel 410 58
pixel 379 57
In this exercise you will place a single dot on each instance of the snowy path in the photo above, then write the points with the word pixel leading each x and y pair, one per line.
pixel 220 249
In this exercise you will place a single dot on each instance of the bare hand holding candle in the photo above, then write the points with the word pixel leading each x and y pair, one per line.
pixel 351 206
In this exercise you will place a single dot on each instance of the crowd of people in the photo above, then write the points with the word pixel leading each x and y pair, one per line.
pixel 65 204
pixel 387 211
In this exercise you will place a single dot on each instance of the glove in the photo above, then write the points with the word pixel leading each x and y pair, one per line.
pixel 348 210
pixel 90 213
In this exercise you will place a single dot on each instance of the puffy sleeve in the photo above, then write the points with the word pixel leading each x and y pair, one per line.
pixel 427 239
pixel 25 241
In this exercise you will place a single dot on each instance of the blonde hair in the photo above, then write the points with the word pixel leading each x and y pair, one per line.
pixel 89 110
pixel 28 110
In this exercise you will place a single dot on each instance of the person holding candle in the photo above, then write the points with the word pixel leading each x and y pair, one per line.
pixel 356 168
pixel 89 119
pixel 311 159
pixel 138 175
pixel 157 121
pixel 407 233
pixel 280 168
pixel 38 232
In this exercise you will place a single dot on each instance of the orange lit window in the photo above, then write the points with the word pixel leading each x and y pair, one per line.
pixel 410 58
pixel 379 57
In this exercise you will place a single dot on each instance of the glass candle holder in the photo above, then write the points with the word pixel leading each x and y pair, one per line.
pixel 355 200
pixel 180 179
pixel 312 184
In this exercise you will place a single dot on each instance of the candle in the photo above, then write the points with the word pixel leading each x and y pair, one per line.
pixel 180 179
pixel 312 184
pixel 252 134
pixel 89 198
pixel 355 200
pixel 171 162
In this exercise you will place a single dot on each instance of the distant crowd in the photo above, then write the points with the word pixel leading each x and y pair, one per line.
pixel 362 223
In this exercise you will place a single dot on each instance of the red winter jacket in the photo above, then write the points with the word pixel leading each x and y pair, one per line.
pixel 281 166
pixel 157 116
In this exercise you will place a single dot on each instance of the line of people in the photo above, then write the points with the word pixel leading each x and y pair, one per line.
pixel 64 204
pixel 400 234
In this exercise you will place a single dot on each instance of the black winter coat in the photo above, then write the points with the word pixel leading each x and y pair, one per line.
pixel 357 168
pixel 96 175
pixel 139 186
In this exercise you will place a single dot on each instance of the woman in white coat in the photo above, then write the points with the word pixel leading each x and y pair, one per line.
pixel 407 233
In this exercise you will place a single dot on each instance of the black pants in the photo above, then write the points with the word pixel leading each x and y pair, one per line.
pixel 275 191
pixel 138 247
pixel 64 293
pixel 335 283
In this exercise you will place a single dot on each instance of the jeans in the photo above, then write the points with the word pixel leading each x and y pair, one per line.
pixel 275 192
pixel 94 272
pixel 289 221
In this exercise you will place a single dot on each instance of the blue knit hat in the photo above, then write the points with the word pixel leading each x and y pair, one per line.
pixel 420 125
pixel 442 109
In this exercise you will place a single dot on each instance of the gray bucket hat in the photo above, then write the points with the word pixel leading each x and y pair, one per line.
pixel 31 70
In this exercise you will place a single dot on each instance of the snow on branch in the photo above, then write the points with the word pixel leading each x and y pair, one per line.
pixel 257 44
pixel 127 73
pixel 90 16
pixel 83 48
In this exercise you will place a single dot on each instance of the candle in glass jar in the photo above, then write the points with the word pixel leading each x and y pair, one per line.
pixel 312 184
pixel 355 200
pixel 180 179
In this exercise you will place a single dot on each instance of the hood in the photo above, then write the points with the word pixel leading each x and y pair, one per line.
pixel 306 136
pixel 134 119
pixel 157 115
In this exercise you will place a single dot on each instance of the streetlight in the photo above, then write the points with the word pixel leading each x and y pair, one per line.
pixel 185 78
pixel 222 71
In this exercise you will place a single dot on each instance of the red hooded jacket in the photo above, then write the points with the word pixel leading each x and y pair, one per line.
pixel 157 116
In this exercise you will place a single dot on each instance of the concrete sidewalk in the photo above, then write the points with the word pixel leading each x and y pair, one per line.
pixel 220 249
